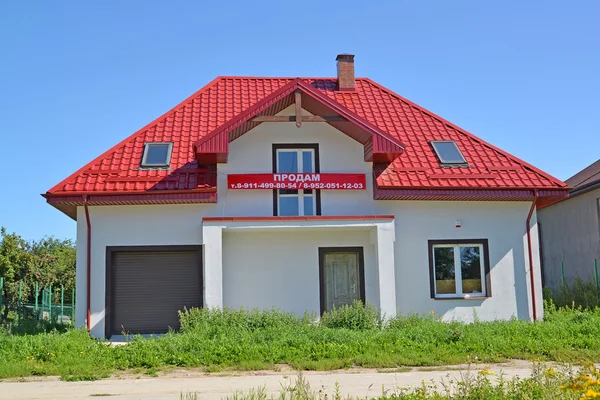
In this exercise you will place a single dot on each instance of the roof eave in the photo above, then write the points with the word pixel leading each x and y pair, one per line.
pixel 68 202
pixel 546 195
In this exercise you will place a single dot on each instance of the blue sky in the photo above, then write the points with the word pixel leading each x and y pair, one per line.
pixel 76 77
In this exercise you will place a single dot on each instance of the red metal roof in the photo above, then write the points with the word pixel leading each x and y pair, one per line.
pixel 216 107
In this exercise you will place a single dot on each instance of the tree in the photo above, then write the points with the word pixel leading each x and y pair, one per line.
pixel 46 262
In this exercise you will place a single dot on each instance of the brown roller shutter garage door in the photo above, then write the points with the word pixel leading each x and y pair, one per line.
pixel 147 286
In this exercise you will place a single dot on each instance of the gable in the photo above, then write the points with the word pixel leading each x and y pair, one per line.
pixel 379 145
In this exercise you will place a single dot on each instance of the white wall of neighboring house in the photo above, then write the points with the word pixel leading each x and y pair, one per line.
pixel 570 233
pixel 264 269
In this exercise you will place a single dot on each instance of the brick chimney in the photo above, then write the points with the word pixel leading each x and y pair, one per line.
pixel 345 72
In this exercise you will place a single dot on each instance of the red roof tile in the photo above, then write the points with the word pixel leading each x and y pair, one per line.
pixel 219 102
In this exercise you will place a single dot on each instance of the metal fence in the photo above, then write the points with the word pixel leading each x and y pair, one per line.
pixel 46 303
pixel 596 277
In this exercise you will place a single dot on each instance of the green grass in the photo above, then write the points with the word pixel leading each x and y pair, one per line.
pixel 249 340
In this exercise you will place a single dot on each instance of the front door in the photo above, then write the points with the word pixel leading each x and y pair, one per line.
pixel 342 277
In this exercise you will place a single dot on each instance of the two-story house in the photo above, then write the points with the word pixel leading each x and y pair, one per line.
pixel 303 194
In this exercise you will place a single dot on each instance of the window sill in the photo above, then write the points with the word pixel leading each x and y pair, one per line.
pixel 463 298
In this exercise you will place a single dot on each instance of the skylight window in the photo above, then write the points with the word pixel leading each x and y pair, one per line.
pixel 157 154
pixel 448 152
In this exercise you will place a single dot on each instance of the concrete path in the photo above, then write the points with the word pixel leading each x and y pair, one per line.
pixel 359 382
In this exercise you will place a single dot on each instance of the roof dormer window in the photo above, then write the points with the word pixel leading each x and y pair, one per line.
pixel 448 152
pixel 157 154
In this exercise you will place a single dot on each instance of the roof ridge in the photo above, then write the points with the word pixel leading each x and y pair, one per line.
pixel 277 77
pixel 251 108
pixel 308 89
pixel 75 174
pixel 467 133
pixel 381 132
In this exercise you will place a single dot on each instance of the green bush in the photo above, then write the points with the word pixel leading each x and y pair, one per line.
pixel 580 293
pixel 32 326
pixel 357 316
pixel 212 320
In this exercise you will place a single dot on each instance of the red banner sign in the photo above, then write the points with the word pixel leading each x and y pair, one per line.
pixel 293 181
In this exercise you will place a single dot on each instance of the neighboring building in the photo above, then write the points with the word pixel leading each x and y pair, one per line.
pixel 570 231
pixel 303 194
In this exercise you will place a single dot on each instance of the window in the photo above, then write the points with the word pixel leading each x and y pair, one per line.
pixel 157 155
pixel 296 158
pixel 448 152
pixel 459 268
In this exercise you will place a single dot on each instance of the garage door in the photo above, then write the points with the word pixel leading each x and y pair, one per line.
pixel 148 287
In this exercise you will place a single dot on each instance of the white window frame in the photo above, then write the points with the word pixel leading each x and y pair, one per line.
pixel 147 145
pixel 300 167
pixel 458 271
pixel 464 160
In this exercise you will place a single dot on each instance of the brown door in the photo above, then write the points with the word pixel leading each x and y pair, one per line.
pixel 342 277
pixel 149 287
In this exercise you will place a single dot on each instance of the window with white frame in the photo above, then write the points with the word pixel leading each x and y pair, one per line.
pixel 459 269
pixel 295 159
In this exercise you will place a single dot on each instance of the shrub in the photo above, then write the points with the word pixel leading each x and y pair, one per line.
pixel 579 294
pixel 355 317
pixel 33 327
pixel 228 319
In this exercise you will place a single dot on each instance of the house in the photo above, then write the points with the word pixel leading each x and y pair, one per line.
pixel 570 231
pixel 303 194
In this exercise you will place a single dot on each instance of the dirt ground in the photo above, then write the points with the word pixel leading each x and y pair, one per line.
pixel 212 386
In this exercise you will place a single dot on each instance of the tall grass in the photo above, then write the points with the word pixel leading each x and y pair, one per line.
pixel 579 293
pixel 251 339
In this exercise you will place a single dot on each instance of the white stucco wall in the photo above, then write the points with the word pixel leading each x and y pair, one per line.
pixel 253 153
pixel 264 269
pixel 502 223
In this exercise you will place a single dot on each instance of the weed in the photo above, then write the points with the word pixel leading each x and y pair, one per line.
pixel 217 340
pixel 358 316
pixel 473 385
pixel 578 294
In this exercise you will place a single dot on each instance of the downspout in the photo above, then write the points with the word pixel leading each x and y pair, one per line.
pixel 530 250
pixel 89 260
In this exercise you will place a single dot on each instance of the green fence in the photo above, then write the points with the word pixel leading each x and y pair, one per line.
pixel 43 303
pixel 596 277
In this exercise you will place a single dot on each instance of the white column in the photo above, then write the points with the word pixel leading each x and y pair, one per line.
pixel 212 266
pixel 386 273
